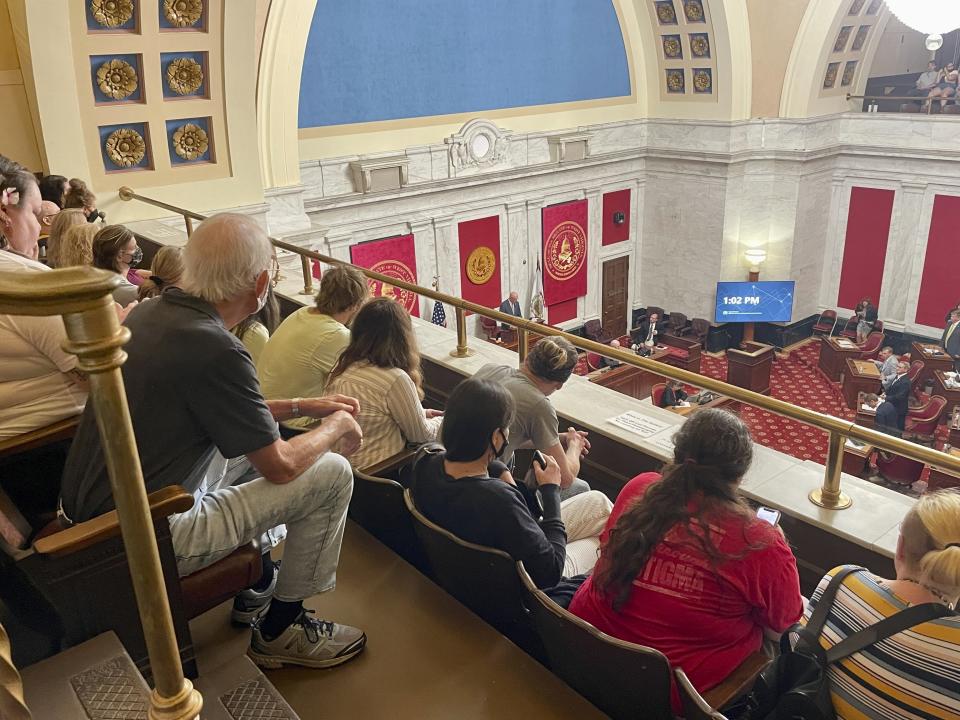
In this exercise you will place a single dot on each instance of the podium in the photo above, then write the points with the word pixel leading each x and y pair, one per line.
pixel 861 376
pixel 749 368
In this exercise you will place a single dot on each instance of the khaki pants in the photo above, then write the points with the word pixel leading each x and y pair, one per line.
pixel 584 516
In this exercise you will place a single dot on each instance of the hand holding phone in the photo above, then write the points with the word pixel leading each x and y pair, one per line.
pixel 769 515
pixel 545 469
pixel 539 459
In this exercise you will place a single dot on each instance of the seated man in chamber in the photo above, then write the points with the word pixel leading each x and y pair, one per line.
pixel 887 363
pixel 606 362
pixel 673 395
pixel 201 422
pixel 645 337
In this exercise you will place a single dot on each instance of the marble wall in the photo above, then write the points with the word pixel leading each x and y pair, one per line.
pixel 703 192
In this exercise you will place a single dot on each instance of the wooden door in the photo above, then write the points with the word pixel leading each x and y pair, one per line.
pixel 613 297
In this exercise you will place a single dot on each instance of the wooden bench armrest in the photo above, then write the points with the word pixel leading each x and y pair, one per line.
pixel 61 430
pixel 164 502
pixel 738 682
pixel 391 463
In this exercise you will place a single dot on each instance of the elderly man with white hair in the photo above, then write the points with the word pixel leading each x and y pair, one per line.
pixel 202 422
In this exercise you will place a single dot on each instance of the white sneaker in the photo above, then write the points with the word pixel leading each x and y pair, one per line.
pixel 307 642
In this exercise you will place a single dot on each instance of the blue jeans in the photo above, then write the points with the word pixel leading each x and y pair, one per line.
pixel 233 506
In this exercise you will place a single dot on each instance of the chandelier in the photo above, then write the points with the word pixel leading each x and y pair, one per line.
pixel 931 17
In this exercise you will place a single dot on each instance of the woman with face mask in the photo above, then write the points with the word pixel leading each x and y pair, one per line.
pixel 465 488
pixel 115 248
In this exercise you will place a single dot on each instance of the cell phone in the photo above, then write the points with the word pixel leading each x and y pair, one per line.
pixel 768 515
pixel 539 459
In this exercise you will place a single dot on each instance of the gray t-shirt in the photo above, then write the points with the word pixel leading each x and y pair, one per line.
pixel 191 387
pixel 535 420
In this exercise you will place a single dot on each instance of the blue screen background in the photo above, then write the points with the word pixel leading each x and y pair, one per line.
pixel 767 301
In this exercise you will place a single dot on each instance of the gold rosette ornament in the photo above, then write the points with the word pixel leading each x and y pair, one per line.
pixel 184 76
pixel 117 79
pixel 480 265
pixel 125 147
pixel 190 141
pixel 111 13
pixel 183 13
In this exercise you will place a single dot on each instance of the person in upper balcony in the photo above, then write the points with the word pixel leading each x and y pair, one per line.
pixel 548 366
pixel 78 195
pixel 645 337
pixel 301 354
pixel 202 423
pixel 914 673
pixel 76 246
pixel 686 567
pixel 511 306
pixel 465 488
pixel 115 248
pixel 928 79
pixel 381 368
pixel 946 84
pixel 39 380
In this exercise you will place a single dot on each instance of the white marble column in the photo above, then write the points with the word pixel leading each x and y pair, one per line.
pixel 590 305
pixel 514 255
pixel 425 248
pixel 637 237
pixel 902 262
pixel 286 213
pixel 836 237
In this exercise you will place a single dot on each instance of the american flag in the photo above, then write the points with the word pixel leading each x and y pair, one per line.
pixel 439 314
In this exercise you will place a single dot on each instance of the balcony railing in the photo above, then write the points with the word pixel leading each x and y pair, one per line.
pixel 901 98
pixel 829 495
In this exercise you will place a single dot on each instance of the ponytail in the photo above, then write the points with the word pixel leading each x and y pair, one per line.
pixel 931 540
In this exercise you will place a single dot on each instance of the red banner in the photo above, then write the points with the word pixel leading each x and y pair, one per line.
pixel 480 261
pixel 564 251
pixel 938 285
pixel 395 257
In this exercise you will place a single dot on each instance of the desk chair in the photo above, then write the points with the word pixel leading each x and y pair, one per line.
pixel 850 328
pixel 489 327
pixel 700 327
pixel 871 347
pixel 482 578
pixel 898 469
pixel 593 361
pixel 677 325
pixel 694 706
pixel 826 323
pixel 922 421
pixel 593 330
pixel 656 393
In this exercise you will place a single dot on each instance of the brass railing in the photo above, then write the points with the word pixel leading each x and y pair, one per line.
pixel 828 495
pixel 84 297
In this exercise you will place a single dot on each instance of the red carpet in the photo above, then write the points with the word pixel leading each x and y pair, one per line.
pixel 795 379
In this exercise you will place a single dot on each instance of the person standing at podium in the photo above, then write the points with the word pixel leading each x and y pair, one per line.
pixel 511 306
pixel 950 341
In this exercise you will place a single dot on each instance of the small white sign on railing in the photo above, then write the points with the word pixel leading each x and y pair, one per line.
pixel 639 424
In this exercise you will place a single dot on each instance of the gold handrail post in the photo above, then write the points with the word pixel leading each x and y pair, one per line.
pixel 307 276
pixel 463 349
pixel 829 495
pixel 523 342
pixel 189 223
pixel 12 704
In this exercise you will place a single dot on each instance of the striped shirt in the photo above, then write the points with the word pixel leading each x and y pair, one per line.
pixel 390 411
pixel 912 675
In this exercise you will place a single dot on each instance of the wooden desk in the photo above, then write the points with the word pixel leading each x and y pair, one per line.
pixel 952 395
pixel 719 401
pixel 834 354
pixel 934 358
pixel 941 479
pixel 750 368
pixel 627 379
pixel 855 459
pixel 861 376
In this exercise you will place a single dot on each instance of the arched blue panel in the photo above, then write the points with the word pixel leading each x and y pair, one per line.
pixel 372 60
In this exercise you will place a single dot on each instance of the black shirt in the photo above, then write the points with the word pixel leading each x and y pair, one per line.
pixel 191 387
pixel 488 511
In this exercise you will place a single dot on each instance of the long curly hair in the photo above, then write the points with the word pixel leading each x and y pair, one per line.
pixel 382 335
pixel 712 452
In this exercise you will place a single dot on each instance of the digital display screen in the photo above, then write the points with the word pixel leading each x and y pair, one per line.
pixel 770 301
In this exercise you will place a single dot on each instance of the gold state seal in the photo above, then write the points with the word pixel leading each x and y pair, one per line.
pixel 396 269
pixel 480 265
pixel 565 251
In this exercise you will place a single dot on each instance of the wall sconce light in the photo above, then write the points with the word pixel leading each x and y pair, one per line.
pixel 755 256
pixel 619 218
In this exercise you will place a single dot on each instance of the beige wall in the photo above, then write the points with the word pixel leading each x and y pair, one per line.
pixel 901 50
pixel 18 139
pixel 773 29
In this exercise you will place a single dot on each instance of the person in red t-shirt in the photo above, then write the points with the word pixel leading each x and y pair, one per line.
pixel 686 567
